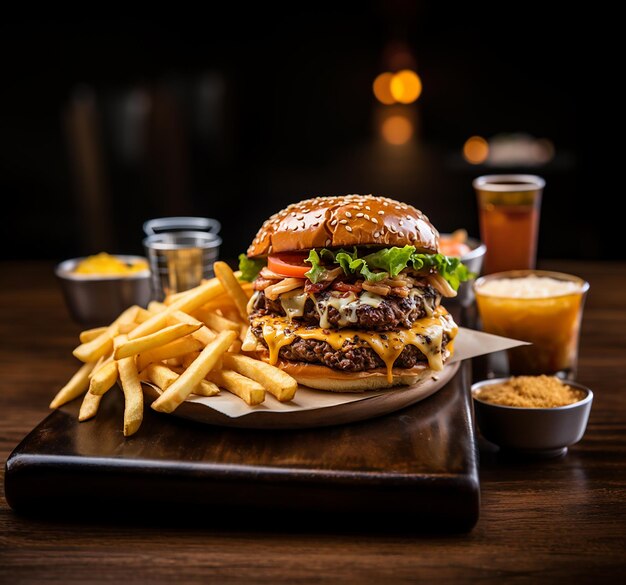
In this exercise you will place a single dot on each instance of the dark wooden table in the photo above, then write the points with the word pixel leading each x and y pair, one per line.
pixel 544 521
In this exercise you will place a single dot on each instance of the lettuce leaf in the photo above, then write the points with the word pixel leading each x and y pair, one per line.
pixel 388 262
pixel 374 267
pixel 250 267
pixel 317 270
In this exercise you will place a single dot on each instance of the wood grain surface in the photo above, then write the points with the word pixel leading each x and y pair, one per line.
pixel 552 521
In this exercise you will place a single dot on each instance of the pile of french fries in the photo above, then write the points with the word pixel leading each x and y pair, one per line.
pixel 188 344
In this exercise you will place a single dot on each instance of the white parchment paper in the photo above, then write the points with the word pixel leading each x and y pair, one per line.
pixel 468 343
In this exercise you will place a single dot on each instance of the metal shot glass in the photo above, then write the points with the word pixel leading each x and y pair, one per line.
pixel 181 223
pixel 180 260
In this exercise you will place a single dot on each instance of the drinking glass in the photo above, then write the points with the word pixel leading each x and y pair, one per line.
pixel 509 207
pixel 538 306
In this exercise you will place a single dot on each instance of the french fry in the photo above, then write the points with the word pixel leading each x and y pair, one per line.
pixel 235 346
pixel 203 334
pixel 152 340
pixel 184 385
pixel 89 406
pixel 156 307
pixel 215 321
pixel 189 358
pixel 76 386
pixel 126 327
pixel 101 345
pixel 219 303
pixel 273 379
pixel 142 315
pixel 230 283
pixel 133 395
pixel 103 378
pixel 174 349
pixel 90 334
pixel 173 297
pixel 248 390
pixel 164 377
pixel 191 300
pixel 97 365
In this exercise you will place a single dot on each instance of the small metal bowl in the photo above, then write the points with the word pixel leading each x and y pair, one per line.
pixel 458 305
pixel 542 432
pixel 96 300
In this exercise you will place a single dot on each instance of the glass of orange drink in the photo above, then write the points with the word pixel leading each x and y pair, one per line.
pixel 541 307
pixel 509 207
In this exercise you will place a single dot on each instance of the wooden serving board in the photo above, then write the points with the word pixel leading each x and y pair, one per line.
pixel 413 469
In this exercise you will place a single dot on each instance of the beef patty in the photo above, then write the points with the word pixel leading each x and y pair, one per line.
pixel 392 313
pixel 351 357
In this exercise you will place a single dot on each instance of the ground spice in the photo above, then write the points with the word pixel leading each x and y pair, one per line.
pixel 530 391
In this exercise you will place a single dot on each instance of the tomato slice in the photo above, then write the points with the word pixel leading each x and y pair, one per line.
pixel 289 265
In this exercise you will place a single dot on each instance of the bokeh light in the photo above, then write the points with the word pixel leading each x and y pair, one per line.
pixel 406 86
pixel 397 130
pixel 475 150
pixel 382 88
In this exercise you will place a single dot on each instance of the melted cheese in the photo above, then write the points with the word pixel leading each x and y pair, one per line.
pixel 346 306
pixel 426 334
pixel 293 303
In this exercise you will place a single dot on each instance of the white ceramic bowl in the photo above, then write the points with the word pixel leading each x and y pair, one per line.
pixel 95 300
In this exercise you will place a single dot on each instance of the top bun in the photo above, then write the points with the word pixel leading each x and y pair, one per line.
pixel 342 221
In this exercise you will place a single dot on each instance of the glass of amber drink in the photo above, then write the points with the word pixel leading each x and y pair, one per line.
pixel 542 307
pixel 509 207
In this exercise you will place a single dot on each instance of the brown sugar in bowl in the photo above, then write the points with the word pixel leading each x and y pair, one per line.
pixel 534 431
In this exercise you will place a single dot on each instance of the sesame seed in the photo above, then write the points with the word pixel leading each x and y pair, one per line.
pixel 328 241
pixel 408 217
pixel 381 212
pixel 295 228
pixel 300 218
pixel 392 229
pixel 397 207
pixel 349 228
pixel 385 204
pixel 374 220
pixel 293 214
pixel 401 234
pixel 315 224
pixel 401 222
pixel 343 221
pixel 377 234
pixel 367 217
pixel 334 222
pixel 318 216
pixel 368 208
pixel 348 214
pixel 359 215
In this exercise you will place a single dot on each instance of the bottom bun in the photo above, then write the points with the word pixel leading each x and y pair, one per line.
pixel 323 378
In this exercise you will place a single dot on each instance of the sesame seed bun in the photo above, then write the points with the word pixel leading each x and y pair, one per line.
pixel 342 221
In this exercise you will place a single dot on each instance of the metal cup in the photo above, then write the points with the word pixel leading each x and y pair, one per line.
pixel 180 260
pixel 184 223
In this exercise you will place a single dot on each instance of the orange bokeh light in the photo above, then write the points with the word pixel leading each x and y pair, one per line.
pixel 382 88
pixel 406 86
pixel 475 150
pixel 397 130
pixel 403 87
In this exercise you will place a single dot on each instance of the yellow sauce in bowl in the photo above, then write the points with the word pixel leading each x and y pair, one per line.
pixel 106 264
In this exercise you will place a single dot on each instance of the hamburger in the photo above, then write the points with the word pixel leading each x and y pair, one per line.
pixel 347 293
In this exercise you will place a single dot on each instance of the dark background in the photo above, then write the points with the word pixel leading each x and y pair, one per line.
pixel 106 123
